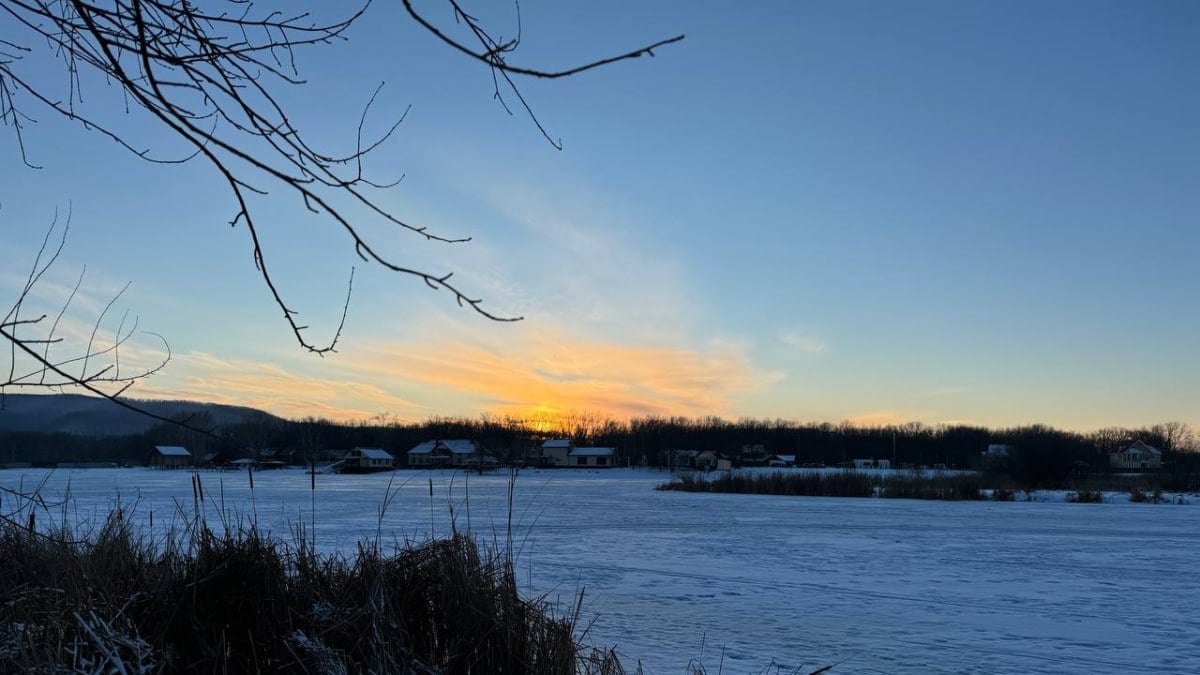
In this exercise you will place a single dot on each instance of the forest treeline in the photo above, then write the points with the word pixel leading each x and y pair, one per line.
pixel 1038 452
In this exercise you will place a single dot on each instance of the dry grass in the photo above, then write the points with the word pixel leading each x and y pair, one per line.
pixel 243 602
pixel 840 484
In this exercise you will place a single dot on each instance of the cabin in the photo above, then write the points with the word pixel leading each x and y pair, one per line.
pixel 170 457
pixel 367 460
pixel 458 452
pixel 781 460
pixel 1136 457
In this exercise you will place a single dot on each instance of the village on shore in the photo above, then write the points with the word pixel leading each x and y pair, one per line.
pixel 562 453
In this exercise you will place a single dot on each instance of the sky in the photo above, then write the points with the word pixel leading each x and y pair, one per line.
pixel 946 212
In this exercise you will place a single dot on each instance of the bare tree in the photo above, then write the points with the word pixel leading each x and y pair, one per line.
pixel 1176 436
pixel 34 337
pixel 210 73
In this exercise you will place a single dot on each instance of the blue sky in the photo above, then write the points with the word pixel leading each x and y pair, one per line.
pixel 940 211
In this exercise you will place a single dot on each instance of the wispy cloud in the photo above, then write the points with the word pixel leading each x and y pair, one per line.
pixel 290 393
pixel 804 343
pixel 584 259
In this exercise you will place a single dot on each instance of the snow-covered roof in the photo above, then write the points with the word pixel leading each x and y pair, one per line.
pixel 172 451
pixel 557 443
pixel 592 452
pixel 374 453
pixel 459 446
pixel 786 458
pixel 244 461
pixel 1141 446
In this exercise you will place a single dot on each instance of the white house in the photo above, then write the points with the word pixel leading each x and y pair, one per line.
pixel 555 452
pixel 592 457
pixel 444 453
pixel 562 452
pixel 1135 457
pixel 366 460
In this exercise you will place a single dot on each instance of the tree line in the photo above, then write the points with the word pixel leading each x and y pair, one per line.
pixel 1036 450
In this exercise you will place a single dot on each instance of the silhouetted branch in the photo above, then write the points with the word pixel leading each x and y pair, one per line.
pixel 210 73
pixel 34 348
pixel 492 52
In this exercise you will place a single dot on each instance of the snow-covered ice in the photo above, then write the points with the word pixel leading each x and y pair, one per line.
pixel 736 581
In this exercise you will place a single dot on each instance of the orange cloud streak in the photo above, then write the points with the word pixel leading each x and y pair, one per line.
pixel 545 374
pixel 552 371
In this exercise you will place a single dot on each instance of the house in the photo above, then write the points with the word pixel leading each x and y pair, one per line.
pixel 711 461
pixel 457 452
pixel 170 457
pixel 217 458
pixel 562 452
pixel 271 458
pixel 754 455
pixel 781 460
pixel 860 464
pixel 555 452
pixel 1137 456
pixel 367 460
pixel 592 457
pixel 327 456
pixel 683 459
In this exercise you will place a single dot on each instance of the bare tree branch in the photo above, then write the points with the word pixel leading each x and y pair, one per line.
pixel 209 72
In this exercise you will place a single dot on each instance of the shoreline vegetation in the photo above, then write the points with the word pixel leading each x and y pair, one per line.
pixel 114 601
pixel 114 598
pixel 943 487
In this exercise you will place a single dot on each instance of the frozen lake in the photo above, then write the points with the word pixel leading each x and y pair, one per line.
pixel 878 586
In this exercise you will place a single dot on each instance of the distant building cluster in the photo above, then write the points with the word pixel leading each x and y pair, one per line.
pixel 562 453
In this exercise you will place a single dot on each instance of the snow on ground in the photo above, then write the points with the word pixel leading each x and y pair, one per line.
pixel 736 581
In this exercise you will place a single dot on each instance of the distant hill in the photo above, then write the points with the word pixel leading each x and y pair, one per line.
pixel 92 416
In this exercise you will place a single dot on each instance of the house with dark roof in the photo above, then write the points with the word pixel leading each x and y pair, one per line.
pixel 682 459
